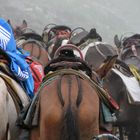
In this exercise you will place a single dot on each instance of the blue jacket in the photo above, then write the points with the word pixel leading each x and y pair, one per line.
pixel 18 65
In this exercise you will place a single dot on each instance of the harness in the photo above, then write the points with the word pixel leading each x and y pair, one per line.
pixel 103 95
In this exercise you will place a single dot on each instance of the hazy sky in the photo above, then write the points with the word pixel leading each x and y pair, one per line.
pixel 109 17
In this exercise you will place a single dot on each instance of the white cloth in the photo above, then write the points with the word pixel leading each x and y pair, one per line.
pixel 132 86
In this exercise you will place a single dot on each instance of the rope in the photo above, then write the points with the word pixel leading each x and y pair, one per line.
pixel 103 95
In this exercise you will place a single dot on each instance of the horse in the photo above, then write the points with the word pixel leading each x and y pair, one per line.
pixel 12 100
pixel 55 36
pixel 68 100
pixel 36 48
pixel 129 50
pixel 32 42
pixel 112 82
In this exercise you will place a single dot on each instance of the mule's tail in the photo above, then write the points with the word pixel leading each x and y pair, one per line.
pixel 70 129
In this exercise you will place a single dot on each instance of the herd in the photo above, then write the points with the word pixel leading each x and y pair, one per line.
pixel 90 90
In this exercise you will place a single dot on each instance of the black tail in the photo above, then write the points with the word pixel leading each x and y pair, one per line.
pixel 70 129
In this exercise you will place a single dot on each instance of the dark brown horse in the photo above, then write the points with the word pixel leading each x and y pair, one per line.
pixel 128 116
pixel 68 101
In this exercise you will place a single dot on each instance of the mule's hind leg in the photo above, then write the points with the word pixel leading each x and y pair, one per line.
pixel 89 114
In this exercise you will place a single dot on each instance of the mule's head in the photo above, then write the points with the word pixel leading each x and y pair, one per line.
pixel 18 30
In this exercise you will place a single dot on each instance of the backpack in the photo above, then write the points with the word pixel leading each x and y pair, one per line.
pixel 37 72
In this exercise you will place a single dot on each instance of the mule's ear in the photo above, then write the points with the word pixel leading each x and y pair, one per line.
pixel 106 66
pixel 117 41
pixel 24 24
pixel 9 22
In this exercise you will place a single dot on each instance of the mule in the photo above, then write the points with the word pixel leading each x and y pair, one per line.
pixel 30 41
pixel 65 96
pixel 55 37
pixel 12 99
pixel 36 50
pixel 112 82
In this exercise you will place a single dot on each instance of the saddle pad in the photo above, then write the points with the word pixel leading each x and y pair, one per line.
pixel 132 86
pixel 85 48
pixel 16 88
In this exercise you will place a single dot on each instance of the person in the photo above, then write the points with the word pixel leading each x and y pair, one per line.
pixel 18 65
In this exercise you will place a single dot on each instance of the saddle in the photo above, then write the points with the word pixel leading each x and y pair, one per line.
pixel 76 39
pixel 123 68
pixel 132 40
pixel 83 36
pixel 68 60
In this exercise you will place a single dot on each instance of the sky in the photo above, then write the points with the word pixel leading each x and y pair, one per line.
pixel 109 17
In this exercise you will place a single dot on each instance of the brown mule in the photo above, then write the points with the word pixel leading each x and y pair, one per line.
pixel 66 120
pixel 30 41
pixel 36 50
pixel 69 106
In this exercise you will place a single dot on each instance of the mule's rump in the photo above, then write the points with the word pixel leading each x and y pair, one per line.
pixel 69 109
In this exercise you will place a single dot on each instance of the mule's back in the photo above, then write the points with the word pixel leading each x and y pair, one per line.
pixel 35 48
pixel 66 108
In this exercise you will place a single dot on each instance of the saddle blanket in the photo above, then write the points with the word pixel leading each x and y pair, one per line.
pixel 85 48
pixel 132 86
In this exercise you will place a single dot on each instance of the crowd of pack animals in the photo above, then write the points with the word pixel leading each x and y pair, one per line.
pixel 82 96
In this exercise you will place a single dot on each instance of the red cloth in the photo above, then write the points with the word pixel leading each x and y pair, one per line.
pixel 37 72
